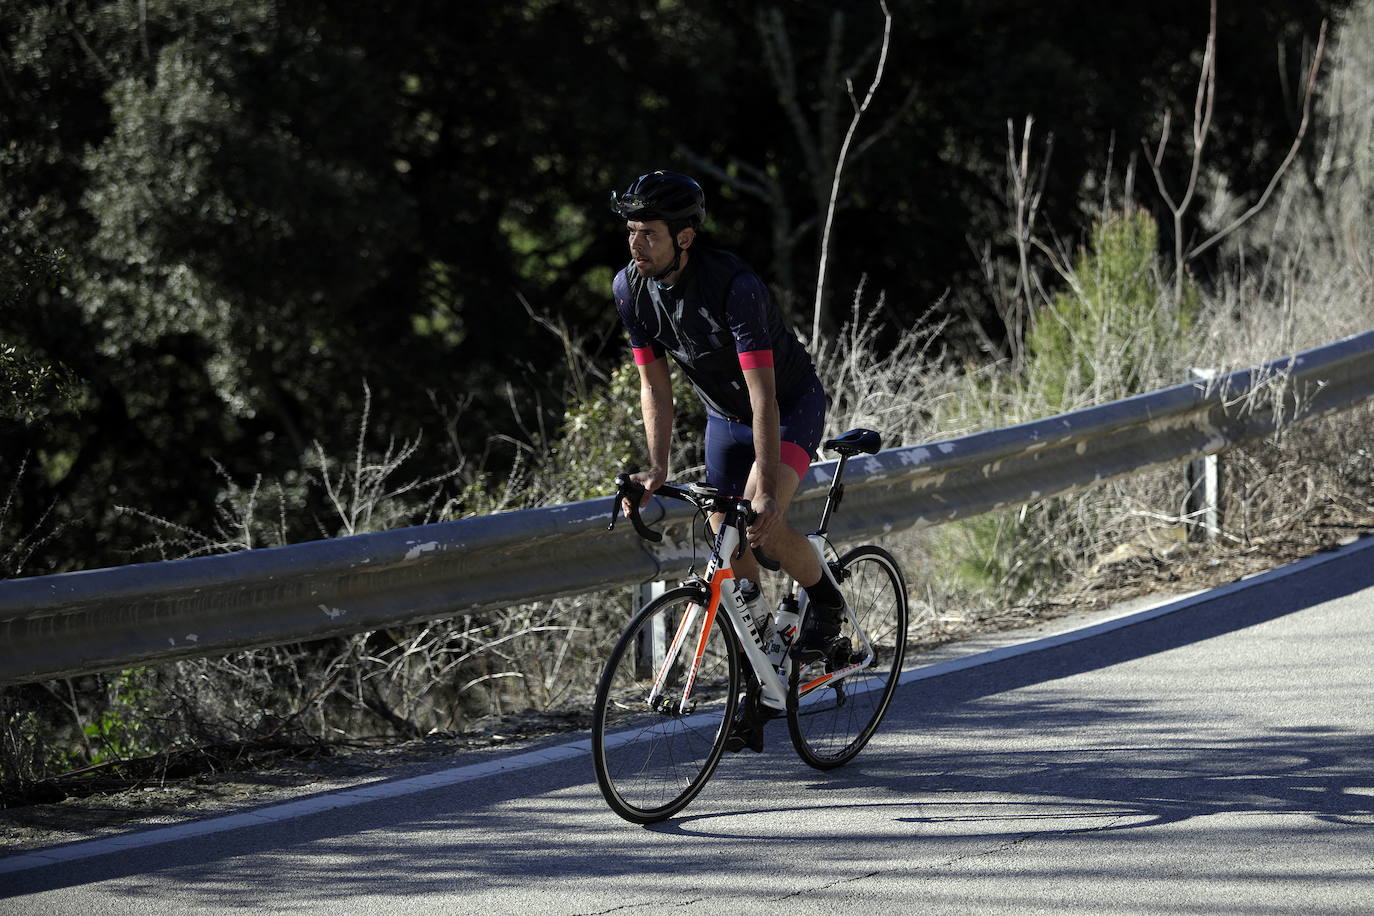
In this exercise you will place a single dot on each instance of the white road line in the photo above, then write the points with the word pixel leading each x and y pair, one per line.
pixel 385 789
pixel 303 807
pixel 1129 618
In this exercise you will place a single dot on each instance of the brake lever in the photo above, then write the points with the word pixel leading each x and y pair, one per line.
pixel 764 559
pixel 629 492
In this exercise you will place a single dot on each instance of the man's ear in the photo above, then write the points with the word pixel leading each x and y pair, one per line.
pixel 686 237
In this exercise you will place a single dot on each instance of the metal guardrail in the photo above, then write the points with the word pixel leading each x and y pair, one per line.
pixel 105 619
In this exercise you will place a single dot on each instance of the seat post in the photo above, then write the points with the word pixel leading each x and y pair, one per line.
pixel 834 496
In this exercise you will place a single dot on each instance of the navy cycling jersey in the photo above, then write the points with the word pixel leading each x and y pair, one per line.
pixel 715 321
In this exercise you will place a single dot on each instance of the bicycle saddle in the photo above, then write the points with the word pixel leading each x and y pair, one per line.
pixel 856 441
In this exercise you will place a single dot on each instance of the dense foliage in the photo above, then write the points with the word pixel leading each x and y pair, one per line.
pixel 225 223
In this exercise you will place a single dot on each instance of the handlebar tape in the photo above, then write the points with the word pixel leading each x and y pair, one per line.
pixel 628 491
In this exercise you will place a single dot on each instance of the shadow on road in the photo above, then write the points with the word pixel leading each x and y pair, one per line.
pixel 961 785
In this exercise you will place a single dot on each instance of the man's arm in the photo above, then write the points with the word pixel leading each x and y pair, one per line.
pixel 656 405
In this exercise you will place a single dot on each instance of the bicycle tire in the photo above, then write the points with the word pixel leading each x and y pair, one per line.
pixel 650 762
pixel 830 725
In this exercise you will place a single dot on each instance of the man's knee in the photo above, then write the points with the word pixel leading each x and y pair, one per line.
pixel 782 536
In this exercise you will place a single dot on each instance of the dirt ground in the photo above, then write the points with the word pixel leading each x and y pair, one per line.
pixel 213 780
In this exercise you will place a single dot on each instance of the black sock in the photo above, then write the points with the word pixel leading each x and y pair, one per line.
pixel 824 593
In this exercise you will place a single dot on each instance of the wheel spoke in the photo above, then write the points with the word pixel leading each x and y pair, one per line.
pixel 833 722
pixel 651 757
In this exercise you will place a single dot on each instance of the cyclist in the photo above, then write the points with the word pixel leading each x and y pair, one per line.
pixel 765 406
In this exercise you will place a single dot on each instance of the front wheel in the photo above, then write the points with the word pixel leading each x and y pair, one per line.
pixel 835 705
pixel 657 730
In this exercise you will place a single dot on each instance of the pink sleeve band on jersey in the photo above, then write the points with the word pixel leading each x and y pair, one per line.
pixel 756 359
pixel 644 355
pixel 796 458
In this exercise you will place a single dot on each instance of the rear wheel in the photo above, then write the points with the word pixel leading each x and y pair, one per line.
pixel 652 752
pixel 831 719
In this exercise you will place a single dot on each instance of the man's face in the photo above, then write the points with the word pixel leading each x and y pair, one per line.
pixel 652 247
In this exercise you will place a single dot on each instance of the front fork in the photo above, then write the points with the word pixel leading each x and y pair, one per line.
pixel 712 594
pixel 718 592
pixel 684 627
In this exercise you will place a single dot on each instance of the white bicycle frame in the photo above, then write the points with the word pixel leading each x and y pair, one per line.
pixel 723 594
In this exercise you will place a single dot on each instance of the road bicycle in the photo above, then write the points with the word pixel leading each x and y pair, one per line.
pixel 690 657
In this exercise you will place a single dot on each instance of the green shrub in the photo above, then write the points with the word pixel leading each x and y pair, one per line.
pixel 1115 331
pixel 603 434
pixel 123 730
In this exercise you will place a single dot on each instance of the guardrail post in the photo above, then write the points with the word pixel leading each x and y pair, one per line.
pixel 1202 511
pixel 653 640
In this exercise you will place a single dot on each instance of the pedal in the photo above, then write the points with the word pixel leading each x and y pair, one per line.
pixel 838 654
pixel 744 734
pixel 746 729
pixel 752 702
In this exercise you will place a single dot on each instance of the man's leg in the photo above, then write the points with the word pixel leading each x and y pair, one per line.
pixel 785 544
pixel 794 553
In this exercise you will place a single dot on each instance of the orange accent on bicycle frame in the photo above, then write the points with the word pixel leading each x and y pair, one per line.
pixel 670 656
pixel 834 675
pixel 712 605
pixel 826 679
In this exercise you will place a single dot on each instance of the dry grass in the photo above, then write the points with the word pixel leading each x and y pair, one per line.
pixel 1302 276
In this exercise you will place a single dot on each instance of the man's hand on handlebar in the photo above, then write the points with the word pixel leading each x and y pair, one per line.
pixel 650 480
pixel 766 517
pixel 634 487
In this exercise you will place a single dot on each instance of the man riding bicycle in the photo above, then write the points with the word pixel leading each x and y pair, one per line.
pixel 765 406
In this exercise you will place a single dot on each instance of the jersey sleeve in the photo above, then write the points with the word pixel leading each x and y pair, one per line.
pixel 645 348
pixel 746 309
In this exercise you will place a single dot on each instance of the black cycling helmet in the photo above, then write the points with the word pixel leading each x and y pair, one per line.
pixel 668 196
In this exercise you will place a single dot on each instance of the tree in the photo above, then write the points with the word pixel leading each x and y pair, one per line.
pixel 265 207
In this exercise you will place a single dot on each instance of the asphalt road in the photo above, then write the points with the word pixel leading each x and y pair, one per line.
pixel 1216 757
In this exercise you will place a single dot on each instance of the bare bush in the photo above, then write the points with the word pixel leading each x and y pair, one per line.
pixel 1124 321
pixel 1127 322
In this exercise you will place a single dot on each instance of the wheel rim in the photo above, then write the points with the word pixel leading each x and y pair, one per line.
pixel 652 759
pixel 832 724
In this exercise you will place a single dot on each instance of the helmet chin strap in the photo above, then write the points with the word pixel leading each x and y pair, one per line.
pixel 677 257
pixel 674 266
